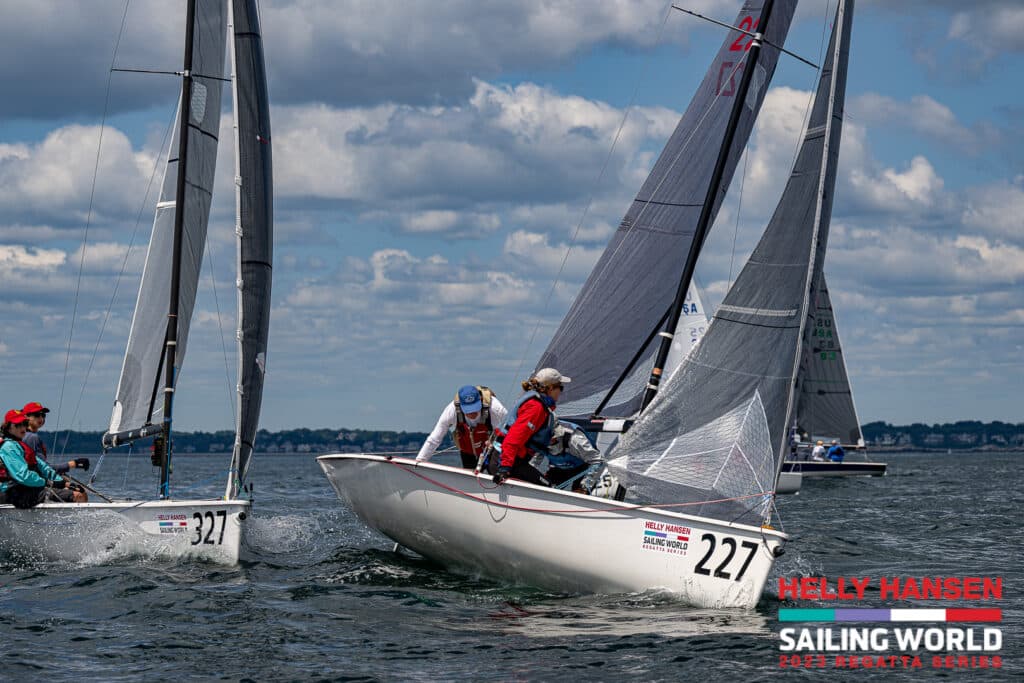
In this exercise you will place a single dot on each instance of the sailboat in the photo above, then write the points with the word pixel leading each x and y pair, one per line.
pixel 562 540
pixel 825 406
pixel 206 529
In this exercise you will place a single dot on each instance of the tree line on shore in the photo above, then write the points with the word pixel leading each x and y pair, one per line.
pixel 964 435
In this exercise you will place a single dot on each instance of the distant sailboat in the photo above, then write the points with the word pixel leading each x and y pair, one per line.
pixel 825 407
pixel 608 343
pixel 209 529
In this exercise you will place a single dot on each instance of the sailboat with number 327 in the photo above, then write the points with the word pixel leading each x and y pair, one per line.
pixel 206 529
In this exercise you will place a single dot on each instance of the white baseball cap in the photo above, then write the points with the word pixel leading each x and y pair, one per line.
pixel 549 377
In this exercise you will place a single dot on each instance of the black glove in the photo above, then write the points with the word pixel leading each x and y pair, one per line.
pixel 501 475
pixel 62 484
pixel 82 463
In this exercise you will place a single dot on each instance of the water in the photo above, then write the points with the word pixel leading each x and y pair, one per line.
pixel 319 597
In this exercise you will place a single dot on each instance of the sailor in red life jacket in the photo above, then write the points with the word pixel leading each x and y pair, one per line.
pixel 530 427
pixel 26 481
pixel 36 416
pixel 471 418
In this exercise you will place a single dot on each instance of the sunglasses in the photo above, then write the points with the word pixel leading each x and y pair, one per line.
pixel 42 415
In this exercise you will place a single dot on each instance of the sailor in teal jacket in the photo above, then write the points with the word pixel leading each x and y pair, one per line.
pixel 18 464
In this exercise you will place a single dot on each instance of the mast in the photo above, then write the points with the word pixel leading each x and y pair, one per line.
pixel 707 210
pixel 163 459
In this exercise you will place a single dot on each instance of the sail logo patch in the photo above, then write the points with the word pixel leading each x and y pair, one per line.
pixel 666 538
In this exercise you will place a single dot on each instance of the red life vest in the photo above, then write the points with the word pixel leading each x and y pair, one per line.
pixel 30 460
pixel 473 439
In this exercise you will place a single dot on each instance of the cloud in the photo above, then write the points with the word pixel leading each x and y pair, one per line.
pixel 339 52
pixel 928 117
pixel 996 209
pixel 16 257
pixel 52 180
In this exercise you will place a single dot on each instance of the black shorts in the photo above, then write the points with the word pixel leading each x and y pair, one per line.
pixel 25 497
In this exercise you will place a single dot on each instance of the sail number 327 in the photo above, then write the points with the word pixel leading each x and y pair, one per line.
pixel 206 528
pixel 727 565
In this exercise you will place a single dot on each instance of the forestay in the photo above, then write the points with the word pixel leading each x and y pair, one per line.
pixel 139 395
pixel 717 429
pixel 627 296
pixel 825 401
pixel 255 210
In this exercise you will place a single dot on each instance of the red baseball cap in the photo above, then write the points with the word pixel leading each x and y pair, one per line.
pixel 34 408
pixel 14 417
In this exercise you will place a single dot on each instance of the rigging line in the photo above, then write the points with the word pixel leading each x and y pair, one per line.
pixel 586 208
pixel 120 276
pixel 751 34
pixel 171 73
pixel 220 327
pixel 88 221
pixel 686 143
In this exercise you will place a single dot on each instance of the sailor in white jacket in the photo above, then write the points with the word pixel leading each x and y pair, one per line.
pixel 471 418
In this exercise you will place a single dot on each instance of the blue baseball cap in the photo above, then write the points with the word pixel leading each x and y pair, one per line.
pixel 469 399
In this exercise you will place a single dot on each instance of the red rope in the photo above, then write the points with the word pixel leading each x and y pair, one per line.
pixel 618 508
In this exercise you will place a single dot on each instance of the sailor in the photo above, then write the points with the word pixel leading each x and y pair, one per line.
pixel 36 414
pixel 573 458
pixel 525 439
pixel 471 418
pixel 836 453
pixel 818 454
pixel 26 481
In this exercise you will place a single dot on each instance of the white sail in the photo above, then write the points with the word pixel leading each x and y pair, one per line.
pixel 140 390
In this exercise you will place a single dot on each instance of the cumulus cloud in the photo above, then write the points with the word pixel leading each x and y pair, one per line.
pixel 15 257
pixel 341 52
pixel 926 116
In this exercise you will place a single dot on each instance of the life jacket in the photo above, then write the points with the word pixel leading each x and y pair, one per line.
pixel 469 438
pixel 30 460
pixel 540 442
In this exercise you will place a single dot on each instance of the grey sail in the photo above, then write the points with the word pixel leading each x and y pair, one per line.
pixel 625 300
pixel 824 406
pixel 255 228
pixel 140 390
pixel 716 434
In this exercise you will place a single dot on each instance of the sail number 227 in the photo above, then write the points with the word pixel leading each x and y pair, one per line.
pixel 206 527
pixel 725 568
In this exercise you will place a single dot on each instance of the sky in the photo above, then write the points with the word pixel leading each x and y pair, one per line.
pixel 433 162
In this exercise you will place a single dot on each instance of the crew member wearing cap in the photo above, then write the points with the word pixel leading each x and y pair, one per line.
pixel 25 480
pixel 836 453
pixel 818 454
pixel 36 414
pixel 530 427
pixel 471 418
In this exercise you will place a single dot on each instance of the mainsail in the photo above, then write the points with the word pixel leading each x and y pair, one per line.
pixel 624 303
pixel 140 390
pixel 255 229
pixel 717 429
pixel 824 405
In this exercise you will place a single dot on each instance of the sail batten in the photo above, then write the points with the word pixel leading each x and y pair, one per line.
pixel 731 398
pixel 610 320
pixel 142 374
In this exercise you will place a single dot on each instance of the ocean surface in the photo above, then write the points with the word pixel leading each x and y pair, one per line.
pixel 318 596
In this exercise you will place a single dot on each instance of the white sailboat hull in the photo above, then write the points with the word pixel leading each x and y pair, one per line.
pixel 554 539
pixel 816 469
pixel 209 530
